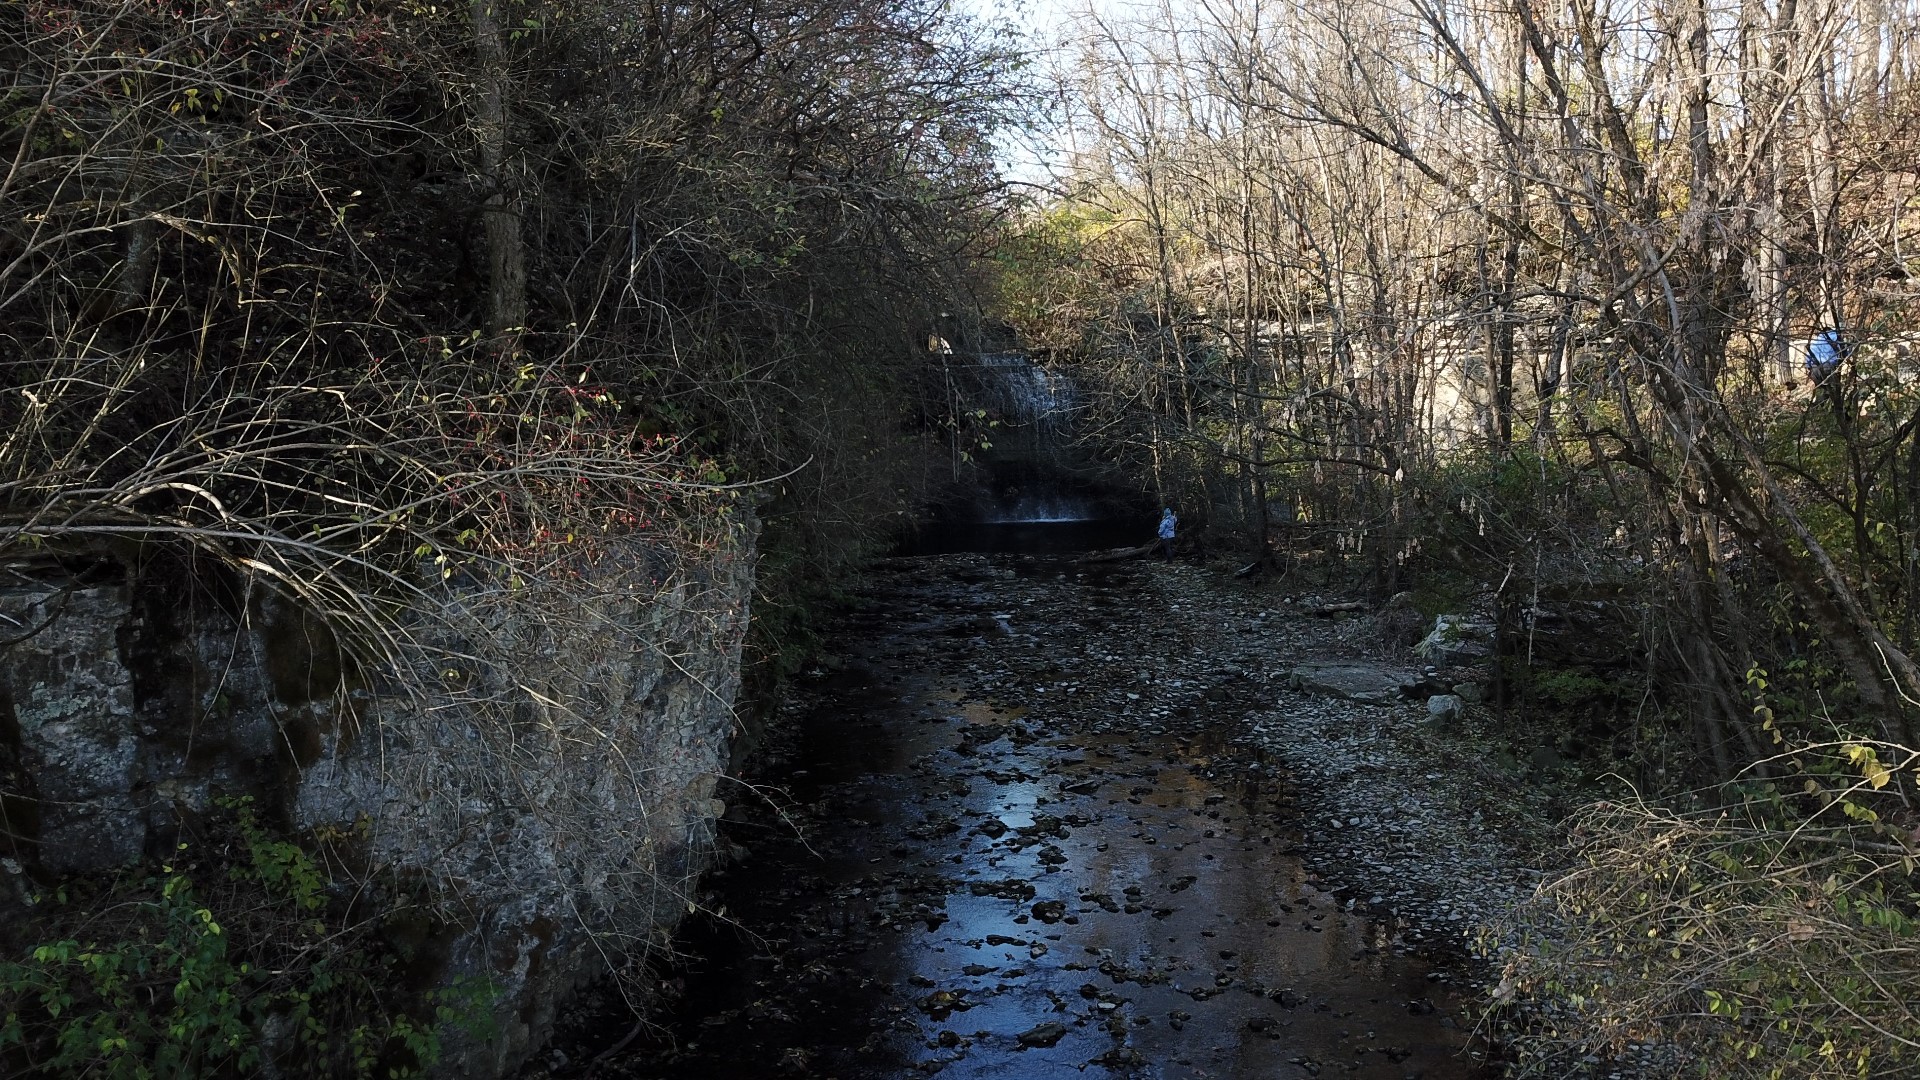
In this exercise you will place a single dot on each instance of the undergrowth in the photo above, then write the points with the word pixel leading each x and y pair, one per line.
pixel 232 958
pixel 1773 936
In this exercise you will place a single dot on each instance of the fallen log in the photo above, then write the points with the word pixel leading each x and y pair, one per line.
pixel 1326 610
pixel 1118 554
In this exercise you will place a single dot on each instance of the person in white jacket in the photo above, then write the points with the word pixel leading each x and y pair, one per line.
pixel 1167 523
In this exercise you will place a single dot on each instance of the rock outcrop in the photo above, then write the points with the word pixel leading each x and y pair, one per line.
pixel 542 759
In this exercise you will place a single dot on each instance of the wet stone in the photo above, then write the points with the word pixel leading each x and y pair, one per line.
pixel 1050 911
pixel 1043 1035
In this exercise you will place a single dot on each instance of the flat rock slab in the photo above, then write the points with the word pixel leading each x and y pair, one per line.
pixel 1370 684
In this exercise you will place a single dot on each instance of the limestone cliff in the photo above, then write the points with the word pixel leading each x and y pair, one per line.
pixel 540 758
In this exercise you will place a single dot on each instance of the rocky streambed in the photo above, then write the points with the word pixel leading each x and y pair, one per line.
pixel 1039 818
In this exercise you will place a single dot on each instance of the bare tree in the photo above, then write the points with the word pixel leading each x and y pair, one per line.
pixel 1605 204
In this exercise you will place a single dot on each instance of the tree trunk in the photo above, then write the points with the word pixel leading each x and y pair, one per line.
pixel 506 314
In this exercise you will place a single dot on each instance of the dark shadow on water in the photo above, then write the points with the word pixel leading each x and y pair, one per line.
pixel 1029 537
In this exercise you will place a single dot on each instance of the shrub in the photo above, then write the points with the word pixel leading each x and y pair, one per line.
pixel 194 968
pixel 1772 938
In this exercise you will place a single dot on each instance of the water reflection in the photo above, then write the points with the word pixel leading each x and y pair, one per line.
pixel 980 895
pixel 1192 951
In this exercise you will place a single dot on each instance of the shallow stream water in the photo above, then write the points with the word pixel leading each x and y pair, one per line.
pixel 932 884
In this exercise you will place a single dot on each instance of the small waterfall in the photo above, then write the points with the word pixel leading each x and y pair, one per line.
pixel 1037 404
pixel 1029 465
pixel 1041 509
pixel 1035 489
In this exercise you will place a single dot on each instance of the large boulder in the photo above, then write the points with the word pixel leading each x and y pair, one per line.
pixel 1457 639
pixel 1369 684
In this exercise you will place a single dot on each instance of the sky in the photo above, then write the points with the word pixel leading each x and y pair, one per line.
pixel 1022 157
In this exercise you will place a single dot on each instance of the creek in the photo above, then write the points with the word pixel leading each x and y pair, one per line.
pixel 977 860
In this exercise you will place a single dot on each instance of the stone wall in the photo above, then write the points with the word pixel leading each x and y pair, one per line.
pixel 541 759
